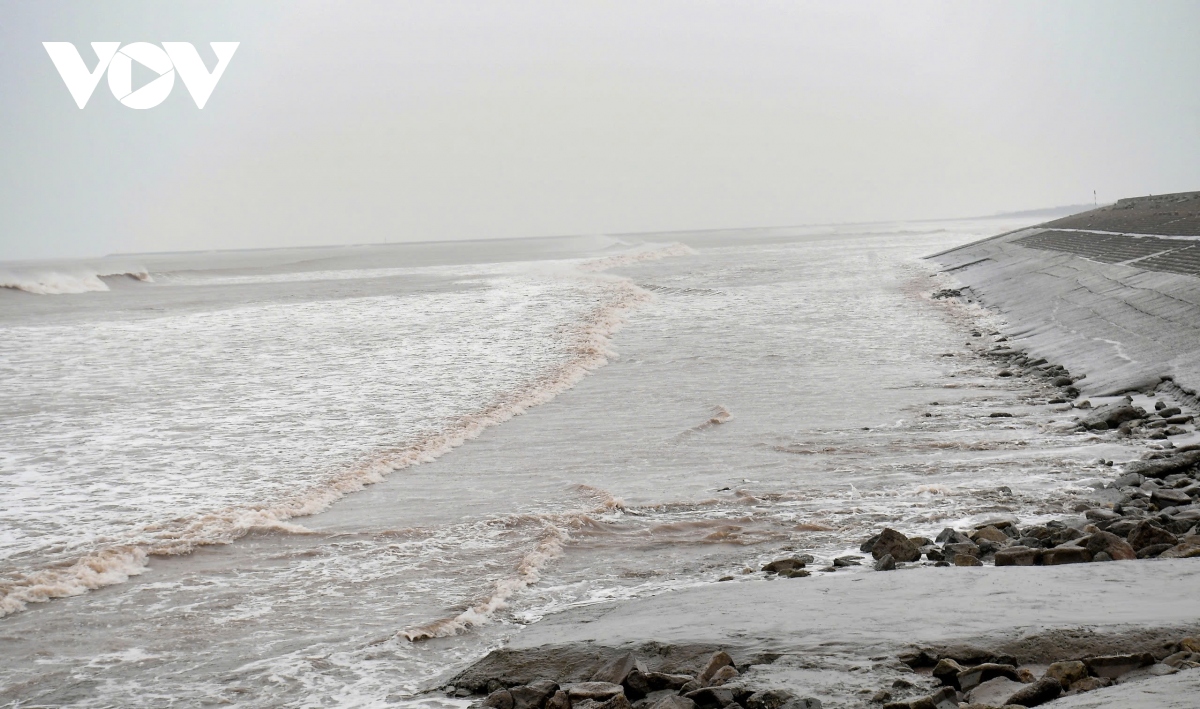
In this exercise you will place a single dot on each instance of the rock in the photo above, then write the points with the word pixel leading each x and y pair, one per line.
pixel 593 690
pixel 723 675
pixel 866 546
pixel 690 686
pixel 944 698
pixel 533 695
pixel 1116 548
pixel 990 534
pixel 1066 555
pixel 1031 695
pixel 966 560
pixel 615 670
pixel 881 696
pixel 1113 666
pixel 968 548
pixel 885 563
pixel 1145 534
pixel 768 699
pixel 784 566
pixel 1087 684
pixel 662 680
pixel 1111 416
pixel 918 658
pixel 1099 514
pixel 499 699
pixel 1169 412
pixel 951 536
pixel 1170 498
pixel 972 677
pixel 1179 419
pixel 1018 556
pixel 617 702
pixel 636 685
pixel 711 697
pixel 1152 551
pixel 1129 480
pixel 892 542
pixel 843 561
pixel 1164 466
pixel 559 700
pixel 797 574
pixel 994 691
pixel 1067 672
pixel 1186 550
pixel 946 671
pixel 1000 415
pixel 717 661
pixel 674 701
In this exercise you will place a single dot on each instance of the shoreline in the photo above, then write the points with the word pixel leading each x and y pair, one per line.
pixel 880 642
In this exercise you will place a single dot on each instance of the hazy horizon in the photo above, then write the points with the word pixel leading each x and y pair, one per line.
pixel 373 122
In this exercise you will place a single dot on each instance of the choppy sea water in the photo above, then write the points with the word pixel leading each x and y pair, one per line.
pixel 332 477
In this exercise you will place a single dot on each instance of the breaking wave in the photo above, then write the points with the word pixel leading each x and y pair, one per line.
pixel 115 564
pixel 59 282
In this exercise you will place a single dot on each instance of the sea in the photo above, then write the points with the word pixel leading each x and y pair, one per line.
pixel 334 477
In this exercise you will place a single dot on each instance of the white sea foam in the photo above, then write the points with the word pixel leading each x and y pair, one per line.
pixel 574 340
pixel 60 281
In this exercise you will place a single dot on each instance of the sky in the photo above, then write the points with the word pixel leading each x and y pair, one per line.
pixel 357 122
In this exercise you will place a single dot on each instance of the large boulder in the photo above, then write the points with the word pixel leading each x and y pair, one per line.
pixel 1032 695
pixel 1111 544
pixel 899 546
pixel 716 662
pixel 1145 534
pixel 1018 556
pixel 593 690
pixel 972 677
pixel 533 695
pixel 1163 467
pixel 1169 497
pixel 1067 672
pixel 499 699
pixel 674 701
pixel 711 697
pixel 1066 555
pixel 1111 416
pixel 615 670
pixel 768 699
pixel 1113 666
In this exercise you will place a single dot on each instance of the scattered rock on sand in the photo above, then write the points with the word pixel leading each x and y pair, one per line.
pixel 966 560
pixel 885 563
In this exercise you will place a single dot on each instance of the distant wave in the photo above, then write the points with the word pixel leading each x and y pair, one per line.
pixel 49 281
pixel 590 347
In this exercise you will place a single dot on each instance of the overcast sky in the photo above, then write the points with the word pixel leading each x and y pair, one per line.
pixel 354 122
